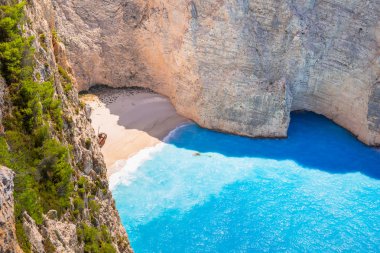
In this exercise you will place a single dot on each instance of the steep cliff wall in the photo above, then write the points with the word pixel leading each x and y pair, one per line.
pixel 238 66
pixel 53 143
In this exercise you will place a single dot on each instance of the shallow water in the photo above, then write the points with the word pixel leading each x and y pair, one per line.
pixel 203 191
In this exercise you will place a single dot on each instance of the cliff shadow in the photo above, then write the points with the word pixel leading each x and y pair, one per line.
pixel 313 141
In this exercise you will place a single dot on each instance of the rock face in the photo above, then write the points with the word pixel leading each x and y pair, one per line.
pixel 87 161
pixel 237 66
pixel 60 234
pixel 8 240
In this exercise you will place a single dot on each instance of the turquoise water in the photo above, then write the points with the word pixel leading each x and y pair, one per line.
pixel 203 191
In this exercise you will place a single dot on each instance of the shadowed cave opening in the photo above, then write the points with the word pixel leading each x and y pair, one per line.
pixel 313 141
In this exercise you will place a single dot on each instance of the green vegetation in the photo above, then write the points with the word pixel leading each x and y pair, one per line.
pixel 48 246
pixel 66 79
pixel 43 42
pixel 88 143
pixel 94 206
pixel 79 204
pixel 44 175
pixel 12 44
pixel 22 239
pixel 95 240
pixel 42 166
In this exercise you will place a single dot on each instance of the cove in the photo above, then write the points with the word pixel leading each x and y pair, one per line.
pixel 204 191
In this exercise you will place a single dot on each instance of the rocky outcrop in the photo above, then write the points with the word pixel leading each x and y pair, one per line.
pixel 236 66
pixel 53 236
pixel 60 234
pixel 34 236
pixel 8 240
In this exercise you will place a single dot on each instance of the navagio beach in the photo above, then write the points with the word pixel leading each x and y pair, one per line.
pixel 133 119
pixel 209 191
pixel 189 126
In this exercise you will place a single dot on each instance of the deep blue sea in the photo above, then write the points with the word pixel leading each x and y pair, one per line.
pixel 204 191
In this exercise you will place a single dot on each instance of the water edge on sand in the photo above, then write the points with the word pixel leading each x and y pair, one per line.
pixel 203 191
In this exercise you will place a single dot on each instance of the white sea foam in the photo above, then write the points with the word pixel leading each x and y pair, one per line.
pixel 128 167
pixel 195 196
pixel 172 132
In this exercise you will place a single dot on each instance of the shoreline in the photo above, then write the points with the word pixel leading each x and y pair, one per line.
pixel 133 119
pixel 136 160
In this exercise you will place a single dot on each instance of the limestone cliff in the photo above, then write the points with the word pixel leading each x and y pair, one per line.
pixel 237 66
pixel 91 216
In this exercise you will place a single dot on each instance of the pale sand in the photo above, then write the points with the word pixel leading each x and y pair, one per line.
pixel 132 119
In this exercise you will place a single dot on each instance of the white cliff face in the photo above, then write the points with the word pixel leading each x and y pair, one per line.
pixel 236 66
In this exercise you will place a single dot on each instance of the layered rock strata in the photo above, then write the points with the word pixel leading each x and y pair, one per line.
pixel 236 66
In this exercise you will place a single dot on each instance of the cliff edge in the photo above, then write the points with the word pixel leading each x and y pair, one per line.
pixel 57 197
pixel 236 66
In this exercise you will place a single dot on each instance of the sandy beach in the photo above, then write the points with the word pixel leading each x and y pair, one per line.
pixel 133 119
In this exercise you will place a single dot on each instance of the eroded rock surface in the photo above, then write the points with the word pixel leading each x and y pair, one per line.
pixel 60 234
pixel 224 63
pixel 8 240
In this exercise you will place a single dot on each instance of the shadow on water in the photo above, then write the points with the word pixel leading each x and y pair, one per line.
pixel 313 141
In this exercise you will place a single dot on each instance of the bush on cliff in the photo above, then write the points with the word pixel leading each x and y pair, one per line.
pixel 44 175
pixel 95 240
pixel 42 165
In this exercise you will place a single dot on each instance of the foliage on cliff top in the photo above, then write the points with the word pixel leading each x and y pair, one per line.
pixel 95 240
pixel 42 166
pixel 12 44
pixel 44 176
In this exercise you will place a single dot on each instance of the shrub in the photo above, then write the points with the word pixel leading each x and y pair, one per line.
pixel 82 182
pixel 94 207
pixel 4 153
pixel 81 192
pixel 67 81
pixel 95 240
pixel 43 42
pixel 22 238
pixel 12 44
pixel 64 74
pixel 40 135
pixel 88 143
pixel 42 166
pixel 79 204
pixel 48 245
pixel 68 87
pixel 55 174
